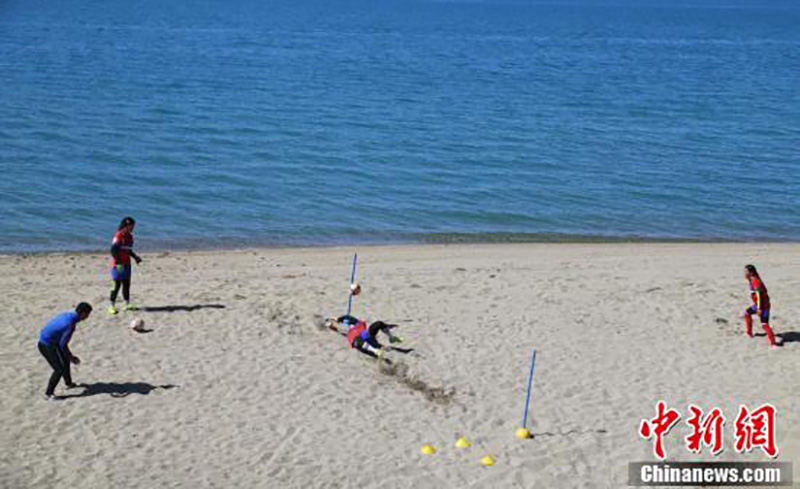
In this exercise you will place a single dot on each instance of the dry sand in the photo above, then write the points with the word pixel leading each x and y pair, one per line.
pixel 235 386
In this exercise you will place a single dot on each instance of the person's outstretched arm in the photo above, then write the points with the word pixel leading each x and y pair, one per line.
pixel 347 319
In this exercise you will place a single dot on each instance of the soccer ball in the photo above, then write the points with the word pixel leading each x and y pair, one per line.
pixel 137 325
pixel 355 288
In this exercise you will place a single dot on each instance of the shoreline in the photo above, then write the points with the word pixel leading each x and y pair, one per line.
pixel 450 240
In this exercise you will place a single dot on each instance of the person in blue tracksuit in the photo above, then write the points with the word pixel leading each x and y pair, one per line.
pixel 54 346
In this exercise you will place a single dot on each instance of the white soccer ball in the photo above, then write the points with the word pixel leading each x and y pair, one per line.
pixel 355 288
pixel 137 324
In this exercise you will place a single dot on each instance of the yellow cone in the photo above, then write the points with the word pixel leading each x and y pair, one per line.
pixel 487 460
pixel 427 450
pixel 462 443
pixel 523 433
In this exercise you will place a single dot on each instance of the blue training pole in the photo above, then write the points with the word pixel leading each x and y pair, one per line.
pixel 528 396
pixel 352 279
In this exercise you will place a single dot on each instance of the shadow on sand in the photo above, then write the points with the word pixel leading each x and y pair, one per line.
pixel 601 431
pixel 115 389
pixel 181 308
pixel 782 338
pixel 788 337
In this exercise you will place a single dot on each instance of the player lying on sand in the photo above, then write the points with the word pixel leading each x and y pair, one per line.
pixel 362 337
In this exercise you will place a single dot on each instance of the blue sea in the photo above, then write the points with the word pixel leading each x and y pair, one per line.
pixel 256 123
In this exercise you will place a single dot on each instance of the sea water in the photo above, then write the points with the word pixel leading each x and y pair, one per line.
pixel 248 123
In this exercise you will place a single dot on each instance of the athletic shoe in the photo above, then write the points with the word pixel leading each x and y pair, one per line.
pixel 50 397
pixel 395 339
pixel 129 307
pixel 112 309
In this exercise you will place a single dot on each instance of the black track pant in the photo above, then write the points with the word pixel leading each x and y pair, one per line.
pixel 60 364
pixel 126 290
pixel 373 331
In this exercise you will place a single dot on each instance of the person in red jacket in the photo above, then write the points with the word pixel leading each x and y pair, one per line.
pixel 121 254
pixel 362 337
pixel 761 305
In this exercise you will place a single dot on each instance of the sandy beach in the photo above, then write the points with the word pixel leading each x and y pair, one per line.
pixel 236 385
